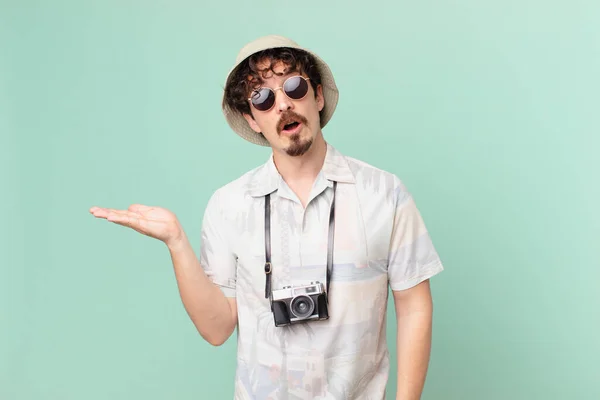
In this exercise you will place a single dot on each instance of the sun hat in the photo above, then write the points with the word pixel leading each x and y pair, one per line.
pixel 236 120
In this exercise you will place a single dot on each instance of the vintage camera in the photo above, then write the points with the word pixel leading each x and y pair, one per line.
pixel 293 304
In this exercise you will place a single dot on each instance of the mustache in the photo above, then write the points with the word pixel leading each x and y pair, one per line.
pixel 288 117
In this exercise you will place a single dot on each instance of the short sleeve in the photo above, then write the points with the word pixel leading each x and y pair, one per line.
pixel 412 255
pixel 216 256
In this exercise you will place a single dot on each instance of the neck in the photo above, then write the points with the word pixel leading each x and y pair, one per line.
pixel 304 168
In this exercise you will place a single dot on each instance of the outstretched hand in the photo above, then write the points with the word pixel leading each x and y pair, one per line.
pixel 155 222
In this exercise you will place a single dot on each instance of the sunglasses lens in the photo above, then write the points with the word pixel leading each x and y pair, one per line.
pixel 263 99
pixel 296 87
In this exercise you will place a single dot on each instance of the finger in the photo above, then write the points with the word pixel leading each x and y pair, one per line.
pixel 138 208
pixel 99 212
pixel 126 219
pixel 121 212
pixel 106 213
pixel 103 212
pixel 97 209
pixel 126 214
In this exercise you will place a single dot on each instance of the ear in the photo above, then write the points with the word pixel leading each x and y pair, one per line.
pixel 320 99
pixel 252 123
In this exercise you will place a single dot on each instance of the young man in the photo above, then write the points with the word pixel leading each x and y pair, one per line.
pixel 299 253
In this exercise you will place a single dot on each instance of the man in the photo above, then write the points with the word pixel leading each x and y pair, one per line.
pixel 309 221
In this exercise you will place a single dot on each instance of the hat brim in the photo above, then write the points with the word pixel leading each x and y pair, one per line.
pixel 238 123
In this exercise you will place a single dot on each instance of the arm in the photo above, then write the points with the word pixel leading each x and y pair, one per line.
pixel 414 318
pixel 211 306
pixel 413 261
pixel 213 314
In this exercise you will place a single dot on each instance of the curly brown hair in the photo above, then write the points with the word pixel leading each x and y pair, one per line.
pixel 239 86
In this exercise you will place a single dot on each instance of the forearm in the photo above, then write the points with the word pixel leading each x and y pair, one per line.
pixel 209 309
pixel 413 350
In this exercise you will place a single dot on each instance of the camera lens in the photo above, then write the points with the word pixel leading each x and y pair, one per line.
pixel 302 306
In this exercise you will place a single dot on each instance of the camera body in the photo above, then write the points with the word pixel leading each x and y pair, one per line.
pixel 293 304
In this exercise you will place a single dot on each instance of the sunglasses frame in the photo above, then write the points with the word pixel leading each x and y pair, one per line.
pixel 274 91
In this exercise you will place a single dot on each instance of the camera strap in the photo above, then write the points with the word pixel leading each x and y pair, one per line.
pixel 269 266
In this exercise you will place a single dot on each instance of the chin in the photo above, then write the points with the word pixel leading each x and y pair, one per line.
pixel 298 146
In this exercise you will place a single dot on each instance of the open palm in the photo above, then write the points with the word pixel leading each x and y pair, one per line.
pixel 155 222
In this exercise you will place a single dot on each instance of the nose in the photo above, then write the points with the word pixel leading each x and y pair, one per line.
pixel 283 102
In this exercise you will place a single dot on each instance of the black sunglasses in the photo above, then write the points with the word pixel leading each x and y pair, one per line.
pixel 294 87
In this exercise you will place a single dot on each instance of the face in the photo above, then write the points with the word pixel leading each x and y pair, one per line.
pixel 290 126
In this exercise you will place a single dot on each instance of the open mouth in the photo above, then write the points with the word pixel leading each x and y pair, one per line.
pixel 291 123
pixel 291 126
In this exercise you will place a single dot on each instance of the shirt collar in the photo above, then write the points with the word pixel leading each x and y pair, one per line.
pixel 267 179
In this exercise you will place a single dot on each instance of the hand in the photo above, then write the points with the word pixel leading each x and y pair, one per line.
pixel 155 222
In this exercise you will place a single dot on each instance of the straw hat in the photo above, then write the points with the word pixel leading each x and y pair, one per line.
pixel 238 123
